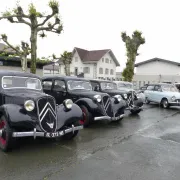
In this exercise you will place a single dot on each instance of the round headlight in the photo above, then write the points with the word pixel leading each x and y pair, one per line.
pixel 125 96
pixel 118 98
pixel 29 105
pixel 68 103
pixel 97 98
pixel 173 98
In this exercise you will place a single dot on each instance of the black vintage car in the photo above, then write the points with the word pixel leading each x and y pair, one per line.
pixel 133 102
pixel 95 105
pixel 25 110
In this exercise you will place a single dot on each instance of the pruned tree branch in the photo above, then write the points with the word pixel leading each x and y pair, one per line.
pixel 32 20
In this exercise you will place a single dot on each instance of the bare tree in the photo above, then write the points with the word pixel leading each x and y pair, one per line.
pixel 22 51
pixel 31 19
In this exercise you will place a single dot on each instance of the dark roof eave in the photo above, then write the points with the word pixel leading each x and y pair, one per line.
pixel 156 59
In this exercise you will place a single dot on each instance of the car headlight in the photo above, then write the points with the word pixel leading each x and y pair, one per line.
pixel 68 103
pixel 118 98
pixel 125 96
pixel 173 98
pixel 29 105
pixel 97 98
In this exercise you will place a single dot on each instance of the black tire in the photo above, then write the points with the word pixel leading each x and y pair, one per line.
pixel 164 103
pixel 147 101
pixel 71 135
pixel 87 116
pixel 135 111
pixel 6 141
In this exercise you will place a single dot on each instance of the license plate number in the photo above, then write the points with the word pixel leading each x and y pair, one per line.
pixel 52 135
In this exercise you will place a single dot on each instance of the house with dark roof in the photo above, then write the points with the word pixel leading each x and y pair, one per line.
pixel 91 64
pixel 156 70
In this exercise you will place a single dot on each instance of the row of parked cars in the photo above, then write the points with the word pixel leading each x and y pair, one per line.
pixel 55 106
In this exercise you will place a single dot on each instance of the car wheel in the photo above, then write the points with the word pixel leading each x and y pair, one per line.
pixel 165 104
pixel 135 111
pixel 147 101
pixel 71 135
pixel 6 140
pixel 87 116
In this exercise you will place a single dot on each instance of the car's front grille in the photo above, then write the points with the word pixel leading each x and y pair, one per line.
pixel 130 98
pixel 46 107
pixel 107 105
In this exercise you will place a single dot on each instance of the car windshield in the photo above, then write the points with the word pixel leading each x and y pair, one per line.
pixel 108 85
pixel 124 85
pixel 79 85
pixel 16 82
pixel 169 88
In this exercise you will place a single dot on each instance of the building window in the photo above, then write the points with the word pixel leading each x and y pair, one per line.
pixel 100 70
pixel 76 59
pixel 86 70
pixel 107 60
pixel 110 61
pixel 107 71
pixel 111 72
pixel 102 59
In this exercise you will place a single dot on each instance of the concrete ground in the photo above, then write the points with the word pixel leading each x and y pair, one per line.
pixel 144 147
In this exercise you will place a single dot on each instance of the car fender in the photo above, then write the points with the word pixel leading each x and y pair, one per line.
pixel 118 107
pixel 17 116
pixel 68 117
pixel 89 103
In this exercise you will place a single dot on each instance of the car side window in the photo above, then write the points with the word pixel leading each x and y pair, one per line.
pixel 157 87
pixel 59 85
pixel 95 86
pixel 47 84
pixel 150 88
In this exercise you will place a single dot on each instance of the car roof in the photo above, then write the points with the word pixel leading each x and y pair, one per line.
pixel 64 78
pixel 100 80
pixel 17 73
pixel 125 82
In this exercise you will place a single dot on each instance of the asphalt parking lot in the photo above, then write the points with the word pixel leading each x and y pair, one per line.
pixel 141 147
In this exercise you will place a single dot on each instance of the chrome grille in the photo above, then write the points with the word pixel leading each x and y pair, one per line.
pixel 46 107
pixel 107 106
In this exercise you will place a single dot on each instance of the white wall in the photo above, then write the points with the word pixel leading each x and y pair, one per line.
pixel 105 65
pixel 158 68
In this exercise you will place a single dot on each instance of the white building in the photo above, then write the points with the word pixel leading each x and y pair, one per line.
pixel 156 70
pixel 93 64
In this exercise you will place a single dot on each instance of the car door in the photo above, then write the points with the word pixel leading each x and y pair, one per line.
pixel 47 86
pixel 149 92
pixel 157 96
pixel 59 91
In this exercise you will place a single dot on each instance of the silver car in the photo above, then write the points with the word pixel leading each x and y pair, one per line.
pixel 164 94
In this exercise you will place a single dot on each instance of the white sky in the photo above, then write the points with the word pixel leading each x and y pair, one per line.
pixel 97 24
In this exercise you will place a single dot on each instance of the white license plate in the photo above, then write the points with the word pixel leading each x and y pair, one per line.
pixel 53 135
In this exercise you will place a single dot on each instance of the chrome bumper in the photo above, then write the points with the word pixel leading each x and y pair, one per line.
pixel 45 134
pixel 109 118
pixel 134 108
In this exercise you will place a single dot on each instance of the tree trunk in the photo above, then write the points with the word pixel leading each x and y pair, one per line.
pixel 65 69
pixel 33 40
pixel 24 63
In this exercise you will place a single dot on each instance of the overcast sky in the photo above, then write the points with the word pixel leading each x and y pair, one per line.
pixel 97 24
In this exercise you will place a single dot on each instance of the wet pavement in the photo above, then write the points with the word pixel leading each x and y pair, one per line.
pixel 142 147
